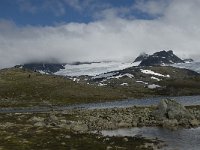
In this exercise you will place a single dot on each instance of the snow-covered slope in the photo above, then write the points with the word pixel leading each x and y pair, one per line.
pixel 195 66
pixel 93 69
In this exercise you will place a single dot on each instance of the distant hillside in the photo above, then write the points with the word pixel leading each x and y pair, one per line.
pixel 48 68
pixel 76 68
pixel 22 87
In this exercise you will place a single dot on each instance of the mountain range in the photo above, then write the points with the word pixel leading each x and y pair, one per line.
pixel 96 81
pixel 94 68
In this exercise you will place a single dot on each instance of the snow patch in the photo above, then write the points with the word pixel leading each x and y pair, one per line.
pixel 142 82
pixel 122 75
pixel 42 72
pixel 153 86
pixel 154 78
pixel 75 79
pixel 102 84
pixel 136 63
pixel 129 75
pixel 124 84
pixel 153 73
pixel 93 69
pixel 113 76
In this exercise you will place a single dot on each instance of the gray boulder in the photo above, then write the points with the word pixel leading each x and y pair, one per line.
pixel 79 127
pixel 170 124
pixel 170 109
pixel 36 119
pixel 39 124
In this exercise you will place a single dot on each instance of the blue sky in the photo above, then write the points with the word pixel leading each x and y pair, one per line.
pixel 50 12
pixel 94 30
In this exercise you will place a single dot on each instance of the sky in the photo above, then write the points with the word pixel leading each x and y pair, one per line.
pixel 61 31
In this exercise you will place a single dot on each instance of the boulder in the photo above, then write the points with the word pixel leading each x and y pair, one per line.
pixel 39 124
pixel 194 123
pixel 53 118
pixel 79 127
pixel 36 119
pixel 170 124
pixel 124 125
pixel 170 109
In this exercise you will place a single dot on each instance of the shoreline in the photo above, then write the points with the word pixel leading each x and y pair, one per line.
pixel 124 103
pixel 81 123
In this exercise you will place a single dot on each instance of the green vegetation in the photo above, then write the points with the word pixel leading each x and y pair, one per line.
pixel 58 139
pixel 17 132
pixel 21 88
pixel 180 86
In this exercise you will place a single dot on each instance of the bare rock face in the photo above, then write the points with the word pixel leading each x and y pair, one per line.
pixel 170 109
pixel 159 58
pixel 172 114
pixel 79 127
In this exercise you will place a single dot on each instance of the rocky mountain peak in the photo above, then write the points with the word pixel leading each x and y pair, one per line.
pixel 141 57
pixel 159 58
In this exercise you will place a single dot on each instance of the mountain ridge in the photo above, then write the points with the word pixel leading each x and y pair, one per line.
pixel 85 68
pixel 159 58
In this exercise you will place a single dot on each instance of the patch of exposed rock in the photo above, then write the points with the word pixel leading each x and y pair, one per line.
pixel 171 109
pixel 168 114
pixel 172 114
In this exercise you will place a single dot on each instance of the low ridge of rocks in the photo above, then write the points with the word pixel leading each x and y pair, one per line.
pixel 168 114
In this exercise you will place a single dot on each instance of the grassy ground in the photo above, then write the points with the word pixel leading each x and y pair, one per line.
pixel 22 88
pixel 180 86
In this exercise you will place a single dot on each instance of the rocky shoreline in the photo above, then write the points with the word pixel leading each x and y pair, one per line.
pixel 168 114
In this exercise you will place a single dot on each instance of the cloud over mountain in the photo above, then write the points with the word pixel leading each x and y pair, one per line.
pixel 116 36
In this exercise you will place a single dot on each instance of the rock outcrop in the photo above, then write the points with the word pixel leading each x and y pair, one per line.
pixel 168 114
pixel 49 68
pixel 170 109
pixel 159 58
pixel 141 57
pixel 172 114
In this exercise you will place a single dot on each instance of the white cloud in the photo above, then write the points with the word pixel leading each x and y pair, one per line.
pixel 113 38
pixel 152 7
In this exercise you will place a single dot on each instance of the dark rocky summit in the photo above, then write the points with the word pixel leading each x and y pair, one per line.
pixel 189 60
pixel 159 58
pixel 49 68
pixel 141 57
pixel 84 63
pixel 45 67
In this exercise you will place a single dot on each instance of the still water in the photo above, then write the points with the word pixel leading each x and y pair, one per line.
pixel 182 139
pixel 185 100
